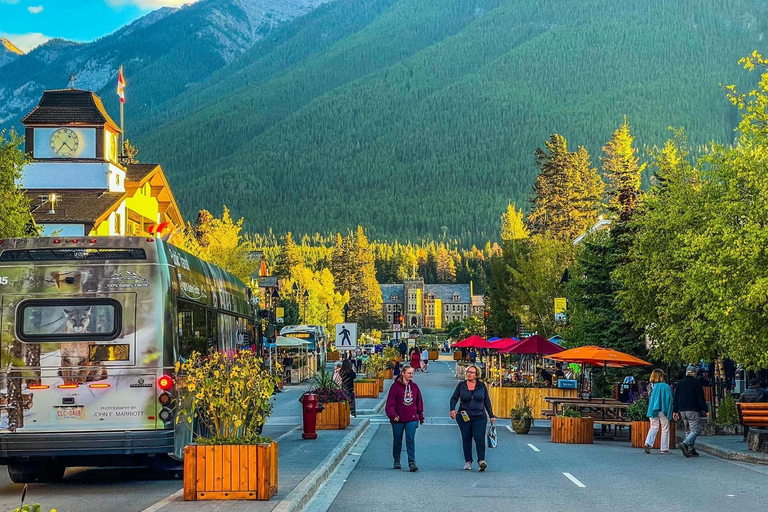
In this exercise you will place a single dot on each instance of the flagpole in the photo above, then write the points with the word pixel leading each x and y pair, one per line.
pixel 122 117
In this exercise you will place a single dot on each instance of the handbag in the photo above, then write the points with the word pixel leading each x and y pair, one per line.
pixel 493 441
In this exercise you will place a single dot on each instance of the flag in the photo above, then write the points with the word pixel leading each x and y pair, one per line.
pixel 121 85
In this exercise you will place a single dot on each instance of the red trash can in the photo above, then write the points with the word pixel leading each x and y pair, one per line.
pixel 309 408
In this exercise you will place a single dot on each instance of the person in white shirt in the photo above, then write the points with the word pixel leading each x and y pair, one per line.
pixel 425 360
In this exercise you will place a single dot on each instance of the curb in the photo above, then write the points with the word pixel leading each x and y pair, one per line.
pixel 379 407
pixel 298 498
pixel 754 458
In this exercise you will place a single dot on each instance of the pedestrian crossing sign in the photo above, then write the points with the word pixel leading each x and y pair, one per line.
pixel 346 336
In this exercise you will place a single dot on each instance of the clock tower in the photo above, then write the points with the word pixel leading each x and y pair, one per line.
pixel 73 143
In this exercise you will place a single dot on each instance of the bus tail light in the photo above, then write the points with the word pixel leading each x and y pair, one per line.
pixel 38 386
pixel 165 383
pixel 67 386
pixel 164 399
pixel 165 415
pixel 99 385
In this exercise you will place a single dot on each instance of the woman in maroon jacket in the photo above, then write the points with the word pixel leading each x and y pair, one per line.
pixel 405 410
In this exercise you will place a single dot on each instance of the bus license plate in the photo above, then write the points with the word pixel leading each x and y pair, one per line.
pixel 72 412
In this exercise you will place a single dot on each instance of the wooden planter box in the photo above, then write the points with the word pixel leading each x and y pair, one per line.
pixel 385 374
pixel 572 430
pixel 367 389
pixel 456 355
pixel 433 355
pixel 335 416
pixel 504 400
pixel 280 384
pixel 332 356
pixel 640 430
pixel 380 382
pixel 230 472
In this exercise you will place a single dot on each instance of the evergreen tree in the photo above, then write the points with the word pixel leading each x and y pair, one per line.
pixel 446 267
pixel 288 258
pixel 623 170
pixel 566 193
pixel 365 295
pixel 15 218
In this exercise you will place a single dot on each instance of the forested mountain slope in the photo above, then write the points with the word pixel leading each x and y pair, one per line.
pixel 410 115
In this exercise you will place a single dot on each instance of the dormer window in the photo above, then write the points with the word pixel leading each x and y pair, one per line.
pixel 456 297
pixel 431 296
pixel 394 298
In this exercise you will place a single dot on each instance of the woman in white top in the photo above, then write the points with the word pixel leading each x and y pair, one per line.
pixel 424 360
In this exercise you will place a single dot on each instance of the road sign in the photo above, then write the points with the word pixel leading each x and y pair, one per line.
pixel 346 336
pixel 280 315
pixel 396 327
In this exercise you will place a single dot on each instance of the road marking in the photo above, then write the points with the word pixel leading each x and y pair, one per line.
pixel 574 480
pixel 533 447
pixel 352 453
pixel 287 433
pixel 509 428
pixel 160 504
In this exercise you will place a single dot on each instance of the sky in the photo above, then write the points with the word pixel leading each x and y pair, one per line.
pixel 28 23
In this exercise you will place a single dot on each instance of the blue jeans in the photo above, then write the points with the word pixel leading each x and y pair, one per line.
pixel 691 421
pixel 410 440
pixel 472 429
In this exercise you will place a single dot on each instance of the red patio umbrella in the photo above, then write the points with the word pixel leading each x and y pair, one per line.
pixel 473 341
pixel 534 345
pixel 503 344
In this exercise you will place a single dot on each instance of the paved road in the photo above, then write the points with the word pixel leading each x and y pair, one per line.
pixel 614 476
pixel 120 489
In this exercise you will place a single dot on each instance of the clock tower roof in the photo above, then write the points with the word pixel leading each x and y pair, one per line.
pixel 70 107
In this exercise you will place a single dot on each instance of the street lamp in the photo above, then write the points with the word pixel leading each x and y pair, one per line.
pixel 346 312
pixel 306 296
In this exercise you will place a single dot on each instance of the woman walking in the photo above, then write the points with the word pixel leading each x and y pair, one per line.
pixel 472 413
pixel 659 412
pixel 405 410
pixel 415 359
pixel 348 383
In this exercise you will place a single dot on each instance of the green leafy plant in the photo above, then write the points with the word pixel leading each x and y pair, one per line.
pixel 362 381
pixel 638 410
pixel 570 412
pixel 326 389
pixel 376 363
pixel 230 396
pixel 30 508
pixel 522 410
pixel 726 412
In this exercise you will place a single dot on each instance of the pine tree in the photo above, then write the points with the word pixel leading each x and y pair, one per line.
pixel 446 267
pixel 566 193
pixel 623 170
pixel 15 218
pixel 288 258
pixel 365 295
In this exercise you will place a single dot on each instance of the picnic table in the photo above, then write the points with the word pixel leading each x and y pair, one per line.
pixel 604 412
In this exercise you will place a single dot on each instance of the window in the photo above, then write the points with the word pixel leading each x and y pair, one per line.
pixel 394 298
pixel 91 253
pixel 465 308
pixel 431 296
pixel 68 319
pixel 118 223
pixel 389 319
pixel 456 297
pixel 194 333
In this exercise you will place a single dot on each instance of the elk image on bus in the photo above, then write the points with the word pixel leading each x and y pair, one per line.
pixel 90 331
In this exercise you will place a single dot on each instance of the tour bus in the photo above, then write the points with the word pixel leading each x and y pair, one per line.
pixel 314 334
pixel 90 331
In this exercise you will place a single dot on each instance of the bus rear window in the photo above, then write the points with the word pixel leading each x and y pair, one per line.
pixel 75 319
pixel 77 254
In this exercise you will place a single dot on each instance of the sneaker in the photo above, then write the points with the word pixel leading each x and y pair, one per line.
pixel 468 466
pixel 647 448
pixel 693 452
pixel 397 465
pixel 664 453
pixel 482 465
pixel 412 467
pixel 686 450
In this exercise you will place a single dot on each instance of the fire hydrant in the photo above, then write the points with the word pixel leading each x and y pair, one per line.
pixel 309 409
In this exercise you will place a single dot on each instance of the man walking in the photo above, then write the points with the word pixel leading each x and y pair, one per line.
pixel 754 393
pixel 689 404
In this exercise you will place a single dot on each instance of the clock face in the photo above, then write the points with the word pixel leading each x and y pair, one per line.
pixel 64 142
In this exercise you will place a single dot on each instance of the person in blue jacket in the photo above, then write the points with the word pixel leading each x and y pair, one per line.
pixel 659 412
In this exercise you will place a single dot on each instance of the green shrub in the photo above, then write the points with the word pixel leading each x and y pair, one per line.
pixel 570 412
pixel 726 412
pixel 638 410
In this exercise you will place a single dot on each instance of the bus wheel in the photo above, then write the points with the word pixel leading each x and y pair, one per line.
pixel 30 473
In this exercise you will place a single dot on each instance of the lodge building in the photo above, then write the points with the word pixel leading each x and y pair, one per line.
pixel 76 182
pixel 429 305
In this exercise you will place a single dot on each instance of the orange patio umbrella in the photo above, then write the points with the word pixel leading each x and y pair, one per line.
pixel 598 356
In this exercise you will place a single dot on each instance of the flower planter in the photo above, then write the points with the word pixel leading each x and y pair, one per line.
pixel 385 374
pixel 572 430
pixel 335 416
pixel 433 355
pixel 367 389
pixel 522 426
pixel 640 431
pixel 280 384
pixel 380 382
pixel 457 356
pixel 332 356
pixel 230 472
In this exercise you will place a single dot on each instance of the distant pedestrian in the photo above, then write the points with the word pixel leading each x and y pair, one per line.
pixel 754 393
pixel 471 408
pixel 403 349
pixel 689 404
pixel 659 411
pixel 472 356
pixel 348 376
pixel 416 359
pixel 396 369
pixel 337 374
pixel 405 410
pixel 425 360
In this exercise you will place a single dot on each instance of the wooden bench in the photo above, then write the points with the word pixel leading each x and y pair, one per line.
pixel 753 414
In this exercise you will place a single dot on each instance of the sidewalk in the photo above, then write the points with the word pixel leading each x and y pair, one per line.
pixel 727 447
